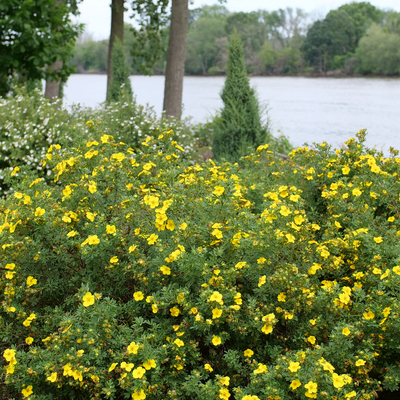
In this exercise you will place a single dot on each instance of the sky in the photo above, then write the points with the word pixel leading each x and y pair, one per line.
pixel 96 14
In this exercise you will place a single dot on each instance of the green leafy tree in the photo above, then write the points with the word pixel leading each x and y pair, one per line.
pixel 203 50
pixel 33 35
pixel 362 15
pixel 329 38
pixel 240 124
pixel 120 73
pixel 379 52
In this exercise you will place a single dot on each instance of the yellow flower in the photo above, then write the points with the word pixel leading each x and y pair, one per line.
pixel 267 329
pixel 218 190
pixel 133 348
pixel 28 321
pixel 359 363
pixel 154 308
pixel 183 226
pixel 114 260
pixel 138 395
pixel 224 394
pixel 311 387
pixel 346 331
pixel 378 239
pixel 38 213
pixel 174 311
pixel 92 187
pixel 138 373
pixel 350 395
pixel 111 229
pixel 369 315
pixel 248 353
pixel 72 234
pixel 208 368
pixel 216 296
pixel 27 391
pixel 30 281
pixel 311 339
pixel 356 192
pixel 338 380
pixel 91 240
pixel 112 367
pixel 138 296
pixel 294 366
pixel 216 340
pixel 165 270
pixel 345 170
pixel 152 239
pixel 240 265
pixel 217 233
pixel 216 313
pixel 295 384
pixel 261 369
pixel 9 354
pixel 284 211
pixel 179 342
pixel 396 270
pixel 117 156
pixel 262 280
pixel 132 248
pixel 15 170
pixel 152 201
pixel 170 225
pixel 249 397
pixel 29 340
pixel 282 297
pixel 290 238
pixel 52 377
pixel 149 364
pixel 88 299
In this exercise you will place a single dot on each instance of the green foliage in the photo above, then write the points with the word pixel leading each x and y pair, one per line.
pixel 33 35
pixel 378 52
pixel 139 275
pixel 240 127
pixel 205 46
pixel 334 36
pixel 362 15
pixel 90 55
pixel 120 74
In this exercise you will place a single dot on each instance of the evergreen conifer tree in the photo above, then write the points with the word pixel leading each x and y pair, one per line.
pixel 120 74
pixel 240 126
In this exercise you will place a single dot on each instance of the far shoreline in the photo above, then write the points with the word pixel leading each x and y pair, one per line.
pixel 329 74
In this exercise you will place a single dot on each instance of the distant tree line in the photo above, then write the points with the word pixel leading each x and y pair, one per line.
pixel 355 38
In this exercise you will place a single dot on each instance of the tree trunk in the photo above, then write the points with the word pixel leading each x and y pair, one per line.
pixel 52 90
pixel 117 30
pixel 176 52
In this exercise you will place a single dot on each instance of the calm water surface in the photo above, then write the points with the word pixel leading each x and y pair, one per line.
pixel 305 109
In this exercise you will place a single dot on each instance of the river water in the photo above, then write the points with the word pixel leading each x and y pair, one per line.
pixel 306 110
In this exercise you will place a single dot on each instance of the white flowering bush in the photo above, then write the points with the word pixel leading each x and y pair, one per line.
pixel 30 123
pixel 140 275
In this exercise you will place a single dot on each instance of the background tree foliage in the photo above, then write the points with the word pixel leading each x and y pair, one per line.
pixel 284 41
pixel 31 40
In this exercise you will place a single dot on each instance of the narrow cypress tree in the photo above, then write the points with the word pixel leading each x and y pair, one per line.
pixel 120 73
pixel 240 126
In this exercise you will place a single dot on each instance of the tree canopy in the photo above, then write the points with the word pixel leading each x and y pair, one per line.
pixel 33 35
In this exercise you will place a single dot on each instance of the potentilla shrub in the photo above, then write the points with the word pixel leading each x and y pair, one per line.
pixel 141 276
